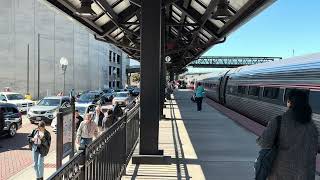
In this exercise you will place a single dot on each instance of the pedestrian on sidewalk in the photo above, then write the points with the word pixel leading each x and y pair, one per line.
pixel 40 140
pixel 87 130
pixel 78 119
pixel 98 117
pixel 199 94
pixel 297 140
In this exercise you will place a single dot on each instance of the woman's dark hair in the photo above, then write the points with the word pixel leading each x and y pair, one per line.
pixel 300 106
pixel 42 124
pixel 199 83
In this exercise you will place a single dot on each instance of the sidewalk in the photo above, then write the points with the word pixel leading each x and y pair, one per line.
pixel 49 168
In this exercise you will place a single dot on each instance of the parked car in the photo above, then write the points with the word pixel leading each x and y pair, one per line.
pixel 92 97
pixel 85 108
pixel 16 99
pixel 108 94
pixel 121 98
pixel 131 88
pixel 47 108
pixel 12 119
pixel 135 92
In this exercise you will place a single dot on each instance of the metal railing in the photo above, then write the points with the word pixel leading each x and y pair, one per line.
pixel 107 156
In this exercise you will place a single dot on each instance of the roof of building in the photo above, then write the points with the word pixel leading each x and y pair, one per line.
pixel 190 25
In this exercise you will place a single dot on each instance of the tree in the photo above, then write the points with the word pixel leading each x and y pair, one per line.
pixel 136 77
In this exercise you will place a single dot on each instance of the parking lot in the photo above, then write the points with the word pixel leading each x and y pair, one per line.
pixel 14 152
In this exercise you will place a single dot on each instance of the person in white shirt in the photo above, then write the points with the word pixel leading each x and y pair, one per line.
pixel 87 131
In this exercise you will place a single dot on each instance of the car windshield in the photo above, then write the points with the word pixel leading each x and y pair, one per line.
pixel 122 95
pixel 107 91
pixel 49 102
pixel 87 97
pixel 81 110
pixel 14 96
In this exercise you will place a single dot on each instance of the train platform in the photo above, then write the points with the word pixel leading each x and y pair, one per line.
pixel 202 145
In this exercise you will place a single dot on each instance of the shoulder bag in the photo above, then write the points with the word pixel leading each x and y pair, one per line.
pixel 263 163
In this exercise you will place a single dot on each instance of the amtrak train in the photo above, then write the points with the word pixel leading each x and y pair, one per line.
pixel 260 91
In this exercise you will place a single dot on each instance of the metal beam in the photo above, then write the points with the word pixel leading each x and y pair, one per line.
pixel 150 76
pixel 243 14
pixel 204 19
pixel 116 43
pixel 229 61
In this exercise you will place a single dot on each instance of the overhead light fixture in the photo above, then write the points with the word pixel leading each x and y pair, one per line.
pixel 85 10
pixel 222 12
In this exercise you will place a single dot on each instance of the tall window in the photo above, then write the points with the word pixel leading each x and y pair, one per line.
pixel 114 57
pixel 110 55
pixel 118 59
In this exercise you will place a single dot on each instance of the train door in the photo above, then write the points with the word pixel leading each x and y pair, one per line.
pixel 223 90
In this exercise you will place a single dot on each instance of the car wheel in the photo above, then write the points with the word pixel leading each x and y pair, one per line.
pixel 12 130
pixel 32 122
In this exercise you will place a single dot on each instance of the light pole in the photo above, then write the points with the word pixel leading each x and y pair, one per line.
pixel 64 65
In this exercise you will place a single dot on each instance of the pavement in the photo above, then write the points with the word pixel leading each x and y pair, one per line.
pixel 202 145
pixel 14 152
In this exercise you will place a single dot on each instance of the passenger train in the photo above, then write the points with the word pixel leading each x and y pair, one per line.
pixel 260 91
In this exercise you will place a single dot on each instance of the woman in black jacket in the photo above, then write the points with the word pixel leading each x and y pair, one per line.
pixel 40 140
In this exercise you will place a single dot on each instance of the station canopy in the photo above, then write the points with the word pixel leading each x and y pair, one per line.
pixel 190 26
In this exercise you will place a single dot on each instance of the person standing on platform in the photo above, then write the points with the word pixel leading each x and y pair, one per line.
pixel 40 140
pixel 297 140
pixel 86 131
pixel 199 94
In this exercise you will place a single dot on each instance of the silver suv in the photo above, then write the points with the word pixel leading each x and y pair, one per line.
pixel 46 109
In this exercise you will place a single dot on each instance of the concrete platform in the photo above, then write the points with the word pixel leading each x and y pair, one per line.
pixel 203 145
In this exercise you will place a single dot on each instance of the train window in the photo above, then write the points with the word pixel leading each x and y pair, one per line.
pixel 271 92
pixel 242 89
pixel 254 90
pixel 314 101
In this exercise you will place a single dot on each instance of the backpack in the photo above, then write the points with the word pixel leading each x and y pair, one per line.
pixel 263 163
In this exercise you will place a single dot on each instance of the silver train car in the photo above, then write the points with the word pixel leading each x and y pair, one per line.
pixel 260 91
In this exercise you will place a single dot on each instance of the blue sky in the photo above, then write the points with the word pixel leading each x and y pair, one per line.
pixel 276 31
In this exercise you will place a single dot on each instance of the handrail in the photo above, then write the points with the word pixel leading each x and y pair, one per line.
pixel 108 155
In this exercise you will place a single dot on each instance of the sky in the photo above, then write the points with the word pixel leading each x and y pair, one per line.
pixel 284 27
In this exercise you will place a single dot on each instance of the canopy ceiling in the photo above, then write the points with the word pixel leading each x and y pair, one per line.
pixel 190 27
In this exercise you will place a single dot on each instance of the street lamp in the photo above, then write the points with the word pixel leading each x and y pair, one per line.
pixel 64 65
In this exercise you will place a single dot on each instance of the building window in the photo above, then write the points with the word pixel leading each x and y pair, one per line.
pixel 110 85
pixel 271 92
pixel 114 57
pixel 254 91
pixel 118 84
pixel 110 70
pixel 110 55
pixel 118 59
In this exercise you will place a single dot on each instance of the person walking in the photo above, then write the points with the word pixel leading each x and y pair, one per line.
pixel 78 119
pixel 108 120
pixel 199 93
pixel 86 131
pixel 297 140
pixel 40 140
pixel 98 117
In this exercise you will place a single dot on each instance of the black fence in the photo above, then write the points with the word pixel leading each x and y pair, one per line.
pixel 107 156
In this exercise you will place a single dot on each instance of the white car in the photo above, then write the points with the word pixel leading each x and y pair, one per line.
pixel 16 99
pixel 121 98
